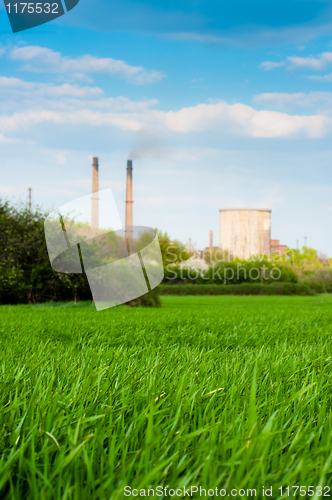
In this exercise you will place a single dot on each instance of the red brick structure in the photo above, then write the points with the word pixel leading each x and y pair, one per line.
pixel 277 248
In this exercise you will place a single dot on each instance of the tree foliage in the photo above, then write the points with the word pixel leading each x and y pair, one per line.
pixel 25 271
pixel 26 275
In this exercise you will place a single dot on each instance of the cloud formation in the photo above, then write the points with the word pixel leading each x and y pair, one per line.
pixel 268 65
pixel 298 99
pixel 44 60
pixel 314 63
pixel 325 78
pixel 234 119
pixel 18 87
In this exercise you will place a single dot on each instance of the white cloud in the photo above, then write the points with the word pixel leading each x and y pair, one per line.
pixel 315 63
pixel 87 106
pixel 299 99
pixel 268 65
pixel 5 140
pixel 43 60
pixel 236 119
pixel 244 120
pixel 325 78
pixel 115 104
pixel 18 86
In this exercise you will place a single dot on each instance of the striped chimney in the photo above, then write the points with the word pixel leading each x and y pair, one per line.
pixel 129 200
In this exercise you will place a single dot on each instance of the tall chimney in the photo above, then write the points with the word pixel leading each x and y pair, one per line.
pixel 129 200
pixel 211 240
pixel 95 200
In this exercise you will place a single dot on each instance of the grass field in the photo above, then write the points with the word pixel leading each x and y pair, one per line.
pixel 226 392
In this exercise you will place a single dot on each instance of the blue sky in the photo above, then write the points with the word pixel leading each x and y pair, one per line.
pixel 221 104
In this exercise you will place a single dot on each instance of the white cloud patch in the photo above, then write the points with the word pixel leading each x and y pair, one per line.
pixel 44 60
pixel 299 99
pixel 325 78
pixel 17 86
pixel 6 140
pixel 268 65
pixel 314 63
pixel 236 119
pixel 244 120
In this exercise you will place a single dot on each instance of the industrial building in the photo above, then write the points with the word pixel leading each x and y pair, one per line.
pixel 245 232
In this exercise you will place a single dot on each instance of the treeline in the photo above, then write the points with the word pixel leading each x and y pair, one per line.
pixel 303 266
pixel 26 275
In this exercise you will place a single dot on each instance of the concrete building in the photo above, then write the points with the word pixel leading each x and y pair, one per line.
pixel 245 232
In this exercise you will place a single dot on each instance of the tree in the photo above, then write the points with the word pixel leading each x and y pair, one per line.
pixel 172 251
pixel 25 271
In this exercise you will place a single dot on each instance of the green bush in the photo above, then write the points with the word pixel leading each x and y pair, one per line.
pixel 320 280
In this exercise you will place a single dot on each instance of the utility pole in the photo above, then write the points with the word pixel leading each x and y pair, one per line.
pixel 305 240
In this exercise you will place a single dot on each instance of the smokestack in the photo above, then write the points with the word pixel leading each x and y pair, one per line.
pixel 211 240
pixel 129 199
pixel 95 200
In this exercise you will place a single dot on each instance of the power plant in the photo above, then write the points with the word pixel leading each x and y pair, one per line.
pixel 243 232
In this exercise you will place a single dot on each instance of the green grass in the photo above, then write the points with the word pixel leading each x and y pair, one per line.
pixel 227 392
